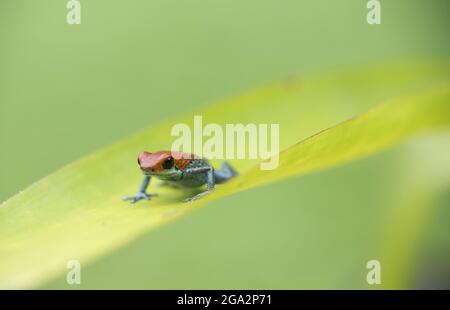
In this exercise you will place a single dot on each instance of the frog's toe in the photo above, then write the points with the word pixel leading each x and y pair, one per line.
pixel 196 196
pixel 189 199
pixel 139 196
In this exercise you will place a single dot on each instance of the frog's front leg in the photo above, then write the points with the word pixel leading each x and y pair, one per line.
pixel 210 182
pixel 141 194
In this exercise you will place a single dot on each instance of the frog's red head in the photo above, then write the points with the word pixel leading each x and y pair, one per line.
pixel 155 162
pixel 163 161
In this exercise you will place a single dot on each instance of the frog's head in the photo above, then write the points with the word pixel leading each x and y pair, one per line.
pixel 160 164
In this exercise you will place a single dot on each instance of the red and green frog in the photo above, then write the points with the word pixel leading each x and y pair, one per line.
pixel 181 170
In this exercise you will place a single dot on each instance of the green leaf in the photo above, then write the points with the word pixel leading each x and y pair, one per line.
pixel 77 212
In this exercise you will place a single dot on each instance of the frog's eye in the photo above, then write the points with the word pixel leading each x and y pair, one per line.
pixel 168 163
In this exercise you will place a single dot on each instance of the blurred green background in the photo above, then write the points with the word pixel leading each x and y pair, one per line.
pixel 67 90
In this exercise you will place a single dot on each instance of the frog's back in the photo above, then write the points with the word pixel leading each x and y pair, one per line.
pixel 192 180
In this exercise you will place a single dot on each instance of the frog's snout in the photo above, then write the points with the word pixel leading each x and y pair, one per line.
pixel 146 161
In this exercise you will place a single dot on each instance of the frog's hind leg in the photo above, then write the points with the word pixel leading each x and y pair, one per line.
pixel 225 173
